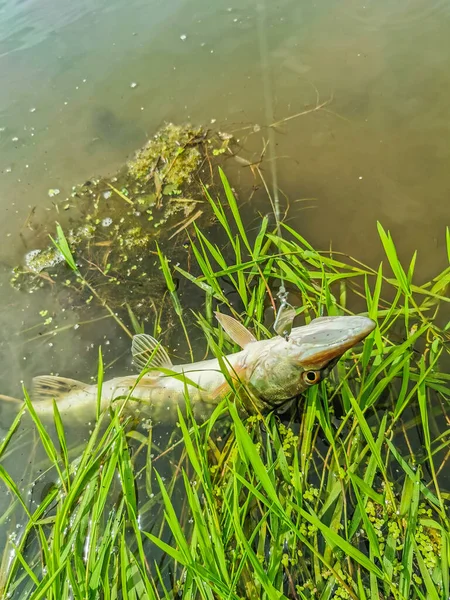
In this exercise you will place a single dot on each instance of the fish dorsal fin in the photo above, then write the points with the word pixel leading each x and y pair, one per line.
pixel 48 387
pixel 148 352
pixel 237 332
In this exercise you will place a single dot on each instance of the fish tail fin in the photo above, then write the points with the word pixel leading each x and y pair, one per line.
pixel 49 387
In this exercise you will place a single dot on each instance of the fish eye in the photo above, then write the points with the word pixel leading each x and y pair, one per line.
pixel 311 377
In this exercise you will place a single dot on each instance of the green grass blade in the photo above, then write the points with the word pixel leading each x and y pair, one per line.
pixel 62 245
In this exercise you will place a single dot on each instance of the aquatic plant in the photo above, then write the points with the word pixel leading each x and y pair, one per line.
pixel 347 497
pixel 156 197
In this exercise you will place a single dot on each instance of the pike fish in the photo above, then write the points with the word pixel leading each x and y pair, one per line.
pixel 266 374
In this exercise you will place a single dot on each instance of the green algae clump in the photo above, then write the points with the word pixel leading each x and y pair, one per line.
pixel 155 197
pixel 172 156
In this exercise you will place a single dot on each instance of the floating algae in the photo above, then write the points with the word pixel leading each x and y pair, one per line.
pixel 38 260
pixel 154 198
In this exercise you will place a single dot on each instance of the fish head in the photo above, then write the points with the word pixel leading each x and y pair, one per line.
pixel 281 368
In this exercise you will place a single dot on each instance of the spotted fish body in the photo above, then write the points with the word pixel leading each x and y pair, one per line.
pixel 266 374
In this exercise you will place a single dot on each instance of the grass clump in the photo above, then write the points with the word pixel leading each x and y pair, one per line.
pixel 346 497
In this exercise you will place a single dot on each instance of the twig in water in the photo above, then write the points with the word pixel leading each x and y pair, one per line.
pixel 185 223
pixel 304 112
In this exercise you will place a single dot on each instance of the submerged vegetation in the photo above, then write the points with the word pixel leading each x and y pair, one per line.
pixel 348 497
pixel 118 219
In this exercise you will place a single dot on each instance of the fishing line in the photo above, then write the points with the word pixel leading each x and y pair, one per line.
pixel 284 317
pixel 268 107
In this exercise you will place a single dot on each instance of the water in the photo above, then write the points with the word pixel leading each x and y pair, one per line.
pixel 376 150
pixel 380 153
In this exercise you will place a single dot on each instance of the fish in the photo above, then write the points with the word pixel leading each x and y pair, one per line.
pixel 265 374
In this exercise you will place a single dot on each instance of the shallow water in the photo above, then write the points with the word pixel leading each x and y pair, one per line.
pixel 84 84
pixel 377 150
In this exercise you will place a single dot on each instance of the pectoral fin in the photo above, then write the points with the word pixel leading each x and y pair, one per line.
pixel 148 352
pixel 237 332
pixel 48 387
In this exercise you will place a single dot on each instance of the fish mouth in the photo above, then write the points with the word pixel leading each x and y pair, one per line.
pixel 327 338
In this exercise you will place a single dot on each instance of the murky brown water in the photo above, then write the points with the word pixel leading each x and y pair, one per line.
pixel 377 150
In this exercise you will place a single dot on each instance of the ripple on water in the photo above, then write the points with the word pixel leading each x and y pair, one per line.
pixel 25 23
